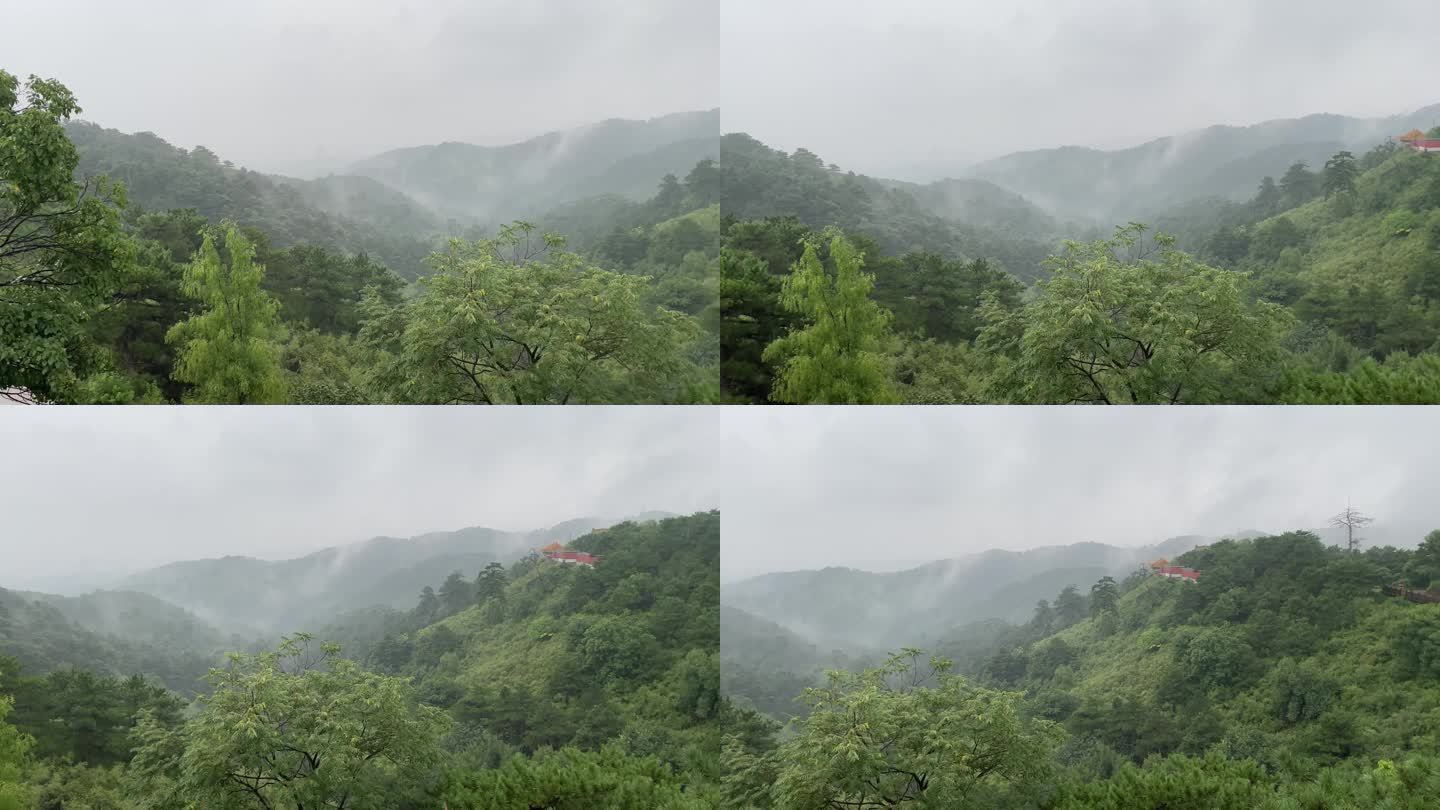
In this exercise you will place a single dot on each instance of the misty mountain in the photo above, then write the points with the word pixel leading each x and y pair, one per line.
pixel 1110 187
pixel 136 617
pixel 764 667
pixel 367 201
pixel 400 206
pixel 37 631
pixel 491 183
pixel 843 608
pixel 356 215
pixel 253 596
pixel 984 204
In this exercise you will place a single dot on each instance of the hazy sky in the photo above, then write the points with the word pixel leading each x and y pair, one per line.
pixel 89 490
pixel 882 488
pixel 274 83
pixel 872 86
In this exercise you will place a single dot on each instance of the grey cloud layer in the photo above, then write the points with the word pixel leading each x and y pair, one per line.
pixel 876 86
pixel 273 83
pixel 885 487
pixel 91 490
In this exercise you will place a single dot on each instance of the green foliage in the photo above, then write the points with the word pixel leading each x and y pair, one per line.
pixel 14 753
pixel 1215 783
pixel 516 321
pixel 1278 299
pixel 562 656
pixel 78 715
pixel 229 351
pixel 322 288
pixel 104 305
pixel 1301 692
pixel 1417 643
pixel 965 218
pixel 1279 680
pixel 1120 321
pixel 879 739
pixel 1104 597
pixel 350 214
pixel 62 248
pixel 839 355
pixel 42 637
pixel 295 727
pixel 570 779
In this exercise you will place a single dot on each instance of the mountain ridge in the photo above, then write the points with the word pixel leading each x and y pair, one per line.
pixel 289 594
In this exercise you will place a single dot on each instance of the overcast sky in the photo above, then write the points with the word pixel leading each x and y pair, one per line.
pixel 883 488
pixel 89 490
pixel 873 86
pixel 274 84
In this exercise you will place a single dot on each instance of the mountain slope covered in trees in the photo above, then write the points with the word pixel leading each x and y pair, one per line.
pixel 273 596
pixel 137 272
pixel 1287 676
pixel 42 638
pixel 759 182
pixel 533 684
pixel 355 215
pixel 1316 290
pixel 922 602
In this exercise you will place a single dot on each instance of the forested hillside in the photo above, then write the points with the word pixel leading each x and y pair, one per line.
pixel 1315 290
pixel 273 596
pixel 41 638
pixel 534 684
pixel 136 271
pixel 959 219
pixel 377 221
pixel 1289 675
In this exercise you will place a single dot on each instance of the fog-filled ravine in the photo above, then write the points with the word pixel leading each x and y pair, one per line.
pixel 333 215
pixel 1287 664
pixel 1058 208
pixel 575 664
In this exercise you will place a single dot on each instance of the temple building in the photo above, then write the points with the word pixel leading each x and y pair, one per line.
pixel 561 554
pixel 1163 567
pixel 1415 139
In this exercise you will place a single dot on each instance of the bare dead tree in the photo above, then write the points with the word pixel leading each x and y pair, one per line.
pixel 1350 520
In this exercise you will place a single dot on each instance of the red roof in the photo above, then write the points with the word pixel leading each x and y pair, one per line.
pixel 1179 571
pixel 574 556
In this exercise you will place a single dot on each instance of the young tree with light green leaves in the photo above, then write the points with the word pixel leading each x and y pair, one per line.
pixel 1125 321
pixel 298 727
pixel 842 353
pixel 896 735
pixel 515 320
pixel 14 751
pixel 230 350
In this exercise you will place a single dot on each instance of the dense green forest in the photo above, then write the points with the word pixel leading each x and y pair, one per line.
pixel 1288 676
pixel 135 271
pixel 839 288
pixel 537 684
